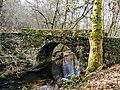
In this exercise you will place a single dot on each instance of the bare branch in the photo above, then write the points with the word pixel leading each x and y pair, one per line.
pixel 82 16
pixel 46 21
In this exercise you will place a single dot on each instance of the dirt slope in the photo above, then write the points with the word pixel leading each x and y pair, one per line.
pixel 108 79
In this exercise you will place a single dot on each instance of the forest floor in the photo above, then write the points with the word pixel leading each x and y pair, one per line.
pixel 108 79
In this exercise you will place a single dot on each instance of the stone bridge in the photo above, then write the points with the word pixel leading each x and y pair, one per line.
pixel 37 46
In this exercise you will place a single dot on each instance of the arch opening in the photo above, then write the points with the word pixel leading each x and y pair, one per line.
pixel 44 55
pixel 59 60
pixel 55 53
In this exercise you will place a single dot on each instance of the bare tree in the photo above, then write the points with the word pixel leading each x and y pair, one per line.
pixel 64 14
pixel 58 14
pixel 115 11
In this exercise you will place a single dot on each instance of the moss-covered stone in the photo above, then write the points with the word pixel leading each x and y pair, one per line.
pixel 29 45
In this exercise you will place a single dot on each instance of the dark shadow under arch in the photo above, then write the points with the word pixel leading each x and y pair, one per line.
pixel 44 55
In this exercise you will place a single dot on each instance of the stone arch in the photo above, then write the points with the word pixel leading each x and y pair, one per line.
pixel 58 50
pixel 45 54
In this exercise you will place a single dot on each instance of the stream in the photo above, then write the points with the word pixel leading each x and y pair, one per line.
pixel 31 80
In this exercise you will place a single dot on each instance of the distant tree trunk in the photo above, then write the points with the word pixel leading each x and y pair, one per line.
pixel 55 15
pixel 1 5
pixel 65 17
pixel 96 39
pixel 115 12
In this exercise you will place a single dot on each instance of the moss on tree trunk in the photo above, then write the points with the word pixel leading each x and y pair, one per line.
pixel 96 39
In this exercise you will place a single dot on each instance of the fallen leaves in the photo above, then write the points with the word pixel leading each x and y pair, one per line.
pixel 108 79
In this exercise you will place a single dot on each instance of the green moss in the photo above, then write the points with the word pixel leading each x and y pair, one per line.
pixel 1 53
pixel 21 56
pixel 55 32
pixel 14 53
pixel 96 39
pixel 2 59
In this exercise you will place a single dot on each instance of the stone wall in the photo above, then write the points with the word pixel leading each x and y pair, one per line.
pixel 111 49
pixel 36 46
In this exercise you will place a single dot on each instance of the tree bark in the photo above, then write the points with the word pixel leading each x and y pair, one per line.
pixel 1 5
pixel 95 59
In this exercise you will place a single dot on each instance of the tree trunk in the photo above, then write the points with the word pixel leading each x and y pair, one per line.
pixel 1 5
pixel 65 17
pixel 96 39
pixel 115 12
